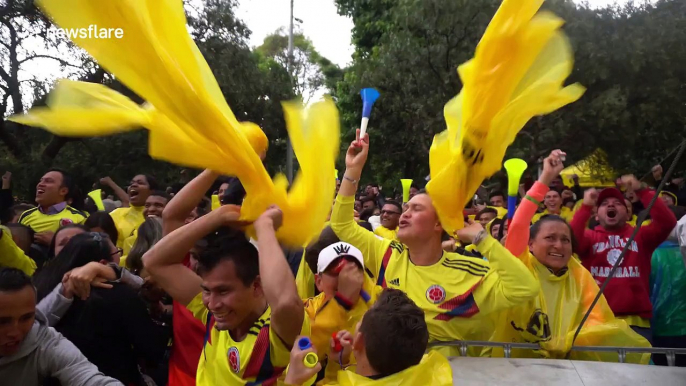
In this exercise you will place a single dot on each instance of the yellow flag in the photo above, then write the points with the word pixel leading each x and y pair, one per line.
pixel 517 72
pixel 189 121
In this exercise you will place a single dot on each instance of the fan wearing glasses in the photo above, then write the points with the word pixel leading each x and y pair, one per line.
pixel 390 217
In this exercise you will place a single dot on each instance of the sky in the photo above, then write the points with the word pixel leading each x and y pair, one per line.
pixel 329 31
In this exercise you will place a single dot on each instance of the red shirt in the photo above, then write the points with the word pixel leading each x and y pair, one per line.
pixel 189 335
pixel 628 292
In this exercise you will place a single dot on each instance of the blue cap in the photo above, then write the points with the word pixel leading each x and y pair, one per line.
pixel 369 96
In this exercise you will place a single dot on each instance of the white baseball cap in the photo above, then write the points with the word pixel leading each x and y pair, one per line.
pixel 336 250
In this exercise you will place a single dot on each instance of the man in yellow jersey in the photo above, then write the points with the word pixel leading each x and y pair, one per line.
pixel 52 192
pixel 553 205
pixel 128 219
pixel 390 217
pixel 388 344
pixel 456 292
pixel 247 301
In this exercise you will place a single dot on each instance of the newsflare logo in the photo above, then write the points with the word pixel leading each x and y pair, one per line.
pixel 90 32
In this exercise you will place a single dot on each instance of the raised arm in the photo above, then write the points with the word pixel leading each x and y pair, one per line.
pixel 164 261
pixel 183 203
pixel 343 217
pixel 663 220
pixel 118 191
pixel 581 217
pixel 277 279
pixel 518 232
pixel 12 256
pixel 508 282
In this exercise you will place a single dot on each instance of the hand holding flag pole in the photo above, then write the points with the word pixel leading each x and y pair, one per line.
pixel 369 96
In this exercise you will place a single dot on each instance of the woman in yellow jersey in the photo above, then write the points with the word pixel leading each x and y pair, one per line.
pixel 456 292
pixel 128 219
pixel 389 345
pixel 567 288
pixel 247 300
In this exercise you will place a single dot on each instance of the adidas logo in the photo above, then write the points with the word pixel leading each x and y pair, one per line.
pixel 395 281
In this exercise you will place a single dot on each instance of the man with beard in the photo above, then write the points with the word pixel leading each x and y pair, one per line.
pixel 628 294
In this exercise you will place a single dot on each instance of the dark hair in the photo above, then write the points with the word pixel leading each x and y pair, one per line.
pixel 13 280
pixel 394 203
pixel 104 221
pixel 229 245
pixel 533 231
pixel 67 180
pixel 414 186
pixel 395 333
pixel 19 209
pixel 152 181
pixel 556 191
pixel 501 231
pixel 496 193
pixel 367 199
pixel 24 233
pixel 160 193
pixel 79 251
pixel 149 233
pixel 484 211
pixel 51 248
pixel 326 238
pixel 365 214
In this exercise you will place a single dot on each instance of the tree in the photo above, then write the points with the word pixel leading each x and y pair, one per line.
pixel 308 70
pixel 629 58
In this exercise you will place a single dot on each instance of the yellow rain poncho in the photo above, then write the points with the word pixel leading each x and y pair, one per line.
pixel 433 370
pixel 189 121
pixel 517 72
pixel 551 319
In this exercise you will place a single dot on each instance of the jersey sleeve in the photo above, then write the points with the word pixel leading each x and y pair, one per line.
pixel 12 256
pixel 344 225
pixel 508 282
pixel 279 353
pixel 198 309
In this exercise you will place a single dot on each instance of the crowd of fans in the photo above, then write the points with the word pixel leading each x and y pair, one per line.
pixel 152 286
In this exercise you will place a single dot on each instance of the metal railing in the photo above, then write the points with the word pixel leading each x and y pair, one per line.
pixel 670 353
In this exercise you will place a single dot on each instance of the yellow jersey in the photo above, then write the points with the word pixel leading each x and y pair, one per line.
pixel 566 213
pixel 41 222
pixel 12 256
pixel 390 234
pixel 259 359
pixel 457 293
pixel 127 220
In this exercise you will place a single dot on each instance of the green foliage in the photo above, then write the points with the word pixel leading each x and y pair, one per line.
pixel 630 58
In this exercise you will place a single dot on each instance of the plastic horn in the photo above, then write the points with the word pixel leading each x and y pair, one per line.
pixel 515 168
pixel 369 96
pixel 304 343
pixel 407 184
pixel 310 360
pixel 96 196
pixel 216 202
pixel 335 172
